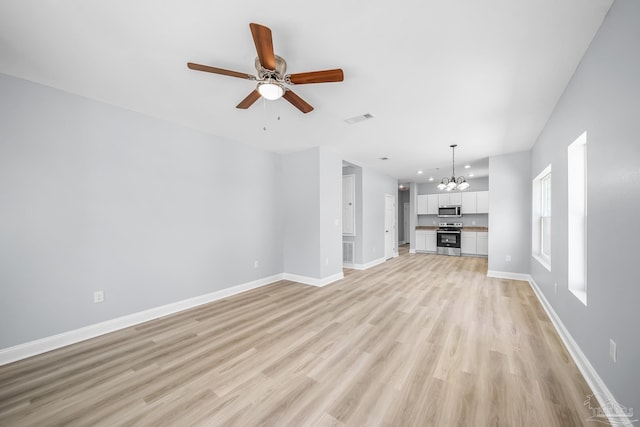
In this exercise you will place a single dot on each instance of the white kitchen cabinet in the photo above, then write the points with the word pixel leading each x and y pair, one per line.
pixel 468 242
pixel 423 207
pixel 482 243
pixel 431 238
pixel 426 240
pixel 432 204
pixel 421 241
pixel 469 202
pixel 449 199
pixel 428 204
pixel 482 202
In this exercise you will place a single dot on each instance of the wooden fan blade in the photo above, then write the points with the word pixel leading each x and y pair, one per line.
pixel 249 100
pixel 264 45
pixel 297 102
pixel 325 76
pixel 222 71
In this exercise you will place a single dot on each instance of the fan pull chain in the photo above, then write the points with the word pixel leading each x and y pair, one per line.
pixel 264 114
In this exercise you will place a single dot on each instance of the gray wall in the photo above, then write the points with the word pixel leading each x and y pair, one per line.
pixel 403 197
pixel 475 184
pixel 301 183
pixel 413 214
pixel 510 213
pixel 95 197
pixel 330 195
pixel 374 187
pixel 312 183
pixel 603 98
pixel 371 187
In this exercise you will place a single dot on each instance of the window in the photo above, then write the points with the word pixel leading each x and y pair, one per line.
pixel 541 227
pixel 577 232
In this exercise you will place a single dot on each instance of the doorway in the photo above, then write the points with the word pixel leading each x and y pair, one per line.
pixel 390 235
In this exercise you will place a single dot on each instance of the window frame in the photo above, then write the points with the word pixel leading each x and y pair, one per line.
pixel 577 218
pixel 542 217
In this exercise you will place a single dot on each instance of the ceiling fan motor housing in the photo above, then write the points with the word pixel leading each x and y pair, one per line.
pixel 278 73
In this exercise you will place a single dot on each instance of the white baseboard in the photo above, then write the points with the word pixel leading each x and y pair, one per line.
pixel 365 266
pixel 32 348
pixel 508 275
pixel 312 280
pixel 598 387
pixel 412 251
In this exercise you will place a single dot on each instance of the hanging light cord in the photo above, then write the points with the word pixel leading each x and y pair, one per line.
pixel 453 164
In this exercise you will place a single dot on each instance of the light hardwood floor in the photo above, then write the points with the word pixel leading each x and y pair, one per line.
pixel 419 340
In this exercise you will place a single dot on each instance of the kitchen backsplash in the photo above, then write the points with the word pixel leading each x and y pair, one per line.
pixel 481 220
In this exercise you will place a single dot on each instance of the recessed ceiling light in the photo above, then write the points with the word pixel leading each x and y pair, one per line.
pixel 430 178
pixel 470 175
pixel 467 166
pixel 419 172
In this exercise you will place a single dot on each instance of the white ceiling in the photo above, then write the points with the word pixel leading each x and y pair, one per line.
pixel 484 74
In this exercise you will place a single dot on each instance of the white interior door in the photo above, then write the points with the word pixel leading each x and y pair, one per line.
pixel 389 226
pixel 348 205
pixel 405 223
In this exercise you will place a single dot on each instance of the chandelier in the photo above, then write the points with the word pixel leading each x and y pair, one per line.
pixel 453 183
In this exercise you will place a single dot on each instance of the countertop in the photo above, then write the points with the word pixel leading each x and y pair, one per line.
pixel 475 228
pixel 435 227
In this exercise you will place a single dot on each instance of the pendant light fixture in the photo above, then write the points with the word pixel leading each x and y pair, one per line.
pixel 453 183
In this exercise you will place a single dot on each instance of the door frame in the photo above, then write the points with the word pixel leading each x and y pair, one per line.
pixel 390 243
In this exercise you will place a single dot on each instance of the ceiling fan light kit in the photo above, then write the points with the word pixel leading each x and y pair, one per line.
pixel 453 183
pixel 271 78
pixel 270 90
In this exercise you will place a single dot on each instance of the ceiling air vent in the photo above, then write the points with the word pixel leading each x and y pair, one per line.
pixel 357 119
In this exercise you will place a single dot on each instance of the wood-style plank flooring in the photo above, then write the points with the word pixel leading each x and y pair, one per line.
pixel 421 340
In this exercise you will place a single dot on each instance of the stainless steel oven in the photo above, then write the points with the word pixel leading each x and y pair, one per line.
pixel 448 238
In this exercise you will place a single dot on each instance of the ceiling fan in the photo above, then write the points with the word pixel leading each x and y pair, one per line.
pixel 271 78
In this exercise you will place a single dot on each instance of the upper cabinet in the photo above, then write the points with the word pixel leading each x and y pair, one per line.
pixel 449 199
pixel 423 204
pixel 428 204
pixel 472 202
pixel 475 202
pixel 432 206
pixel 483 201
pixel 469 203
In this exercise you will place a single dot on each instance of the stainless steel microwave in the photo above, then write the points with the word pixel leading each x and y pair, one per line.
pixel 450 211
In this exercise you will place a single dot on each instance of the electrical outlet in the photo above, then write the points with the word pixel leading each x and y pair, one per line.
pixel 326 261
pixel 98 296
pixel 256 264
pixel 434 222
pixel 473 222
pixel 508 258
pixel 613 350
pixel 555 287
